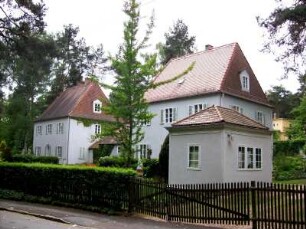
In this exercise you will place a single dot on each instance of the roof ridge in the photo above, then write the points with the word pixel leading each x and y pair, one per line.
pixel 218 112
pixel 87 86
pixel 195 114
pixel 201 52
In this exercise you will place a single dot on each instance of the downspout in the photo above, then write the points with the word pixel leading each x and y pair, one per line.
pixel 221 97
pixel 67 151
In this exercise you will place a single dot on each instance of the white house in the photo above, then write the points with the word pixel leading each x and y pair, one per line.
pixel 219 144
pixel 221 76
pixel 59 131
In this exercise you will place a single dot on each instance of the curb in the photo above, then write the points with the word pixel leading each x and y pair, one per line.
pixel 47 217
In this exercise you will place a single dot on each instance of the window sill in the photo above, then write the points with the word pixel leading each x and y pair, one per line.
pixel 249 169
pixel 193 169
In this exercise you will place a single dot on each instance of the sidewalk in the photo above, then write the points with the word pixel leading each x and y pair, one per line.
pixel 92 220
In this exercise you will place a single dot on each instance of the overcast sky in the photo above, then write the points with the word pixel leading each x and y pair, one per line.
pixel 215 22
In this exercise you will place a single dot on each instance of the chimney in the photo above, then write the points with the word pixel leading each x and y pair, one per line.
pixel 208 47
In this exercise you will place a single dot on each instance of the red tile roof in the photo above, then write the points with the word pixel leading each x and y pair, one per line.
pixel 215 71
pixel 77 102
pixel 217 115
pixel 104 141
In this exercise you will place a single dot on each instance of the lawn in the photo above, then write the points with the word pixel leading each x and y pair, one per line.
pixel 299 181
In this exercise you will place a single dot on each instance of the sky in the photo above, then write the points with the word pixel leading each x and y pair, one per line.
pixel 214 22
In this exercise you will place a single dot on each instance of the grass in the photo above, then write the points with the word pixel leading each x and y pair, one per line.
pixel 298 181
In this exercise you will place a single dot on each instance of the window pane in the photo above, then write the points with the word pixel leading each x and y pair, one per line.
pixel 250 158
pixel 258 158
pixel 241 157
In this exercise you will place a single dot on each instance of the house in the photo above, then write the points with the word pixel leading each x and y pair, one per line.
pixel 281 125
pixel 219 144
pixel 60 130
pixel 221 76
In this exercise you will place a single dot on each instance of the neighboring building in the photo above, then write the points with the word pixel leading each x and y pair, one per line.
pixel 281 125
pixel 221 76
pixel 219 145
pixel 60 132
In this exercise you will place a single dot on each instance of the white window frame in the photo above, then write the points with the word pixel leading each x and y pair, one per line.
pixel 60 128
pixel 142 151
pixel 168 115
pixel 251 160
pixel 237 108
pixel 82 153
pixel 198 160
pixel 48 150
pixel 97 129
pixel 49 129
pixel 260 117
pixel 59 151
pixel 197 107
pixel 97 106
pixel 245 81
pixel 38 130
pixel 37 150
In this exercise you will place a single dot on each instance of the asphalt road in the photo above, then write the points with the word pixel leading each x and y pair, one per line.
pixel 13 220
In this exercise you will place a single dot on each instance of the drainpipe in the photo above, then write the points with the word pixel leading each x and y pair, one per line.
pixel 221 97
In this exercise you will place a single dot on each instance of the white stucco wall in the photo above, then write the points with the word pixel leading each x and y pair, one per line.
pixel 219 156
pixel 53 139
pixel 156 132
pixel 211 160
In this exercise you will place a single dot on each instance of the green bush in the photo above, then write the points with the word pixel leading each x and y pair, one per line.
pixel 289 167
pixel 164 159
pixel 103 151
pixel 112 161
pixel 28 158
pixel 97 186
pixel 288 147
pixel 150 168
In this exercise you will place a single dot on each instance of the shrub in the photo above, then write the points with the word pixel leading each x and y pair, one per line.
pixel 112 161
pixel 105 187
pixel 28 158
pixel 288 147
pixel 164 159
pixel 150 168
pixel 102 151
pixel 289 167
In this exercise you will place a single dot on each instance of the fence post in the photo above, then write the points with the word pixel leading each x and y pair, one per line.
pixel 131 193
pixel 253 215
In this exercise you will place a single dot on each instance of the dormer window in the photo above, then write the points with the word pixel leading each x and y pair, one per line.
pixel 97 106
pixel 245 81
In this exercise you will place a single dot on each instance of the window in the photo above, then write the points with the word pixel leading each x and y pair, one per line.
pixel 48 150
pixel 168 115
pixel 38 130
pixel 49 129
pixel 196 108
pixel 194 157
pixel 97 129
pixel 260 117
pixel 249 158
pixel 59 151
pixel 60 128
pixel 37 150
pixel 143 151
pixel 82 153
pixel 245 81
pixel 97 106
pixel 237 108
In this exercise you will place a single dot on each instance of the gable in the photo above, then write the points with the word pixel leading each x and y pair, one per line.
pixel 216 70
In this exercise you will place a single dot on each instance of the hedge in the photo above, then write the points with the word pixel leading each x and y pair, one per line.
pixel 28 158
pixel 103 187
pixel 288 147
pixel 113 161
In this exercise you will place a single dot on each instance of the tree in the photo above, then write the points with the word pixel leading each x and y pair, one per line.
pixel 133 77
pixel 178 42
pixel 283 101
pixel 74 61
pixel 286 27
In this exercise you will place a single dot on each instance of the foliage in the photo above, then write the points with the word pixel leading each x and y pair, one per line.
pixel 5 152
pixel 29 158
pixel 286 28
pixel 283 101
pixel 289 148
pixel 133 74
pixel 298 127
pixel 51 181
pixel 150 168
pixel 289 167
pixel 74 61
pixel 119 162
pixel 102 151
pixel 178 42
pixel 164 159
